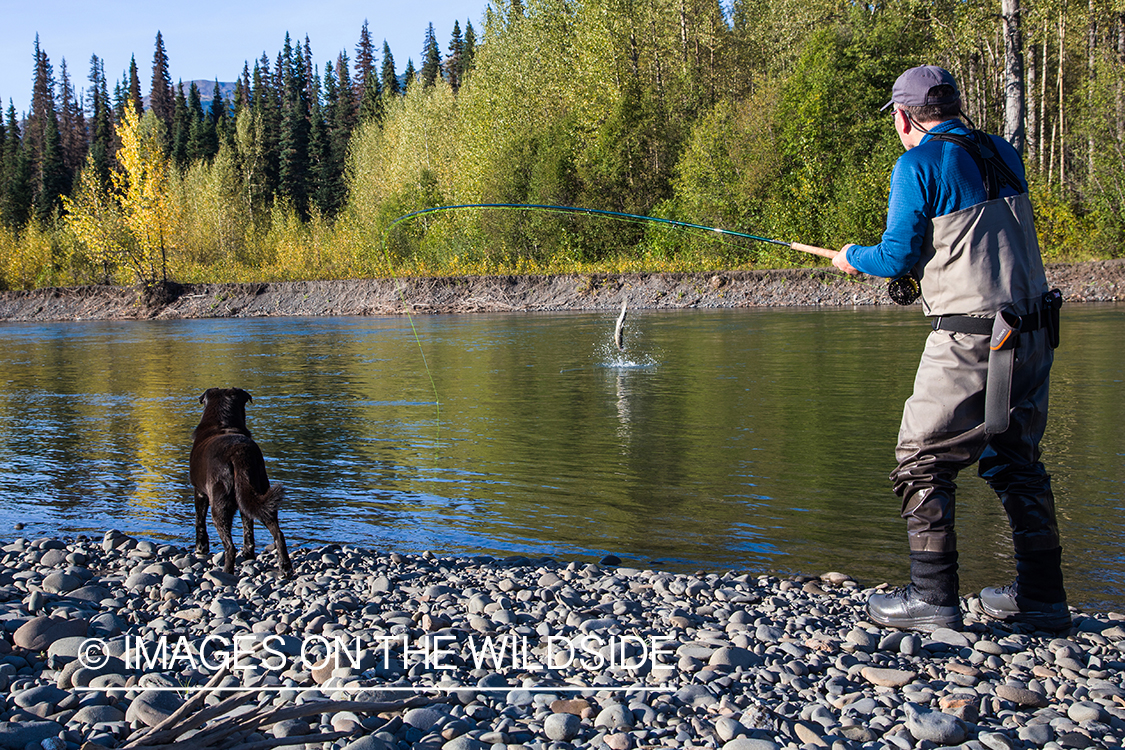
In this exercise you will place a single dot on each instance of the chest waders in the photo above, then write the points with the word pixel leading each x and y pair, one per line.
pixel 984 287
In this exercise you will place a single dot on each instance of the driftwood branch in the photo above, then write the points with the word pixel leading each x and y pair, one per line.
pixel 232 730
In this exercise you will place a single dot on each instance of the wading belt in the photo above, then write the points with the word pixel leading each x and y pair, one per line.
pixel 1004 331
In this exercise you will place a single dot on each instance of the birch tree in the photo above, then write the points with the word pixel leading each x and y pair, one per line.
pixel 1014 97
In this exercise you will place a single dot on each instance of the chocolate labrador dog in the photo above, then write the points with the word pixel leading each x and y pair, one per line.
pixel 229 473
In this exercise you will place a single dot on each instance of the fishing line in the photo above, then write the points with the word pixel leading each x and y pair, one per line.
pixel 633 218
pixel 900 289
pixel 903 290
pixel 417 338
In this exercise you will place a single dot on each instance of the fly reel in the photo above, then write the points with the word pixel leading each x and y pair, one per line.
pixel 905 290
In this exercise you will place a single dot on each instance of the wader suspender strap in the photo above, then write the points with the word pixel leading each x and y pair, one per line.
pixel 995 173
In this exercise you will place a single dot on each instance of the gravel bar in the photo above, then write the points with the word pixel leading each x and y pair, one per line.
pixel 122 642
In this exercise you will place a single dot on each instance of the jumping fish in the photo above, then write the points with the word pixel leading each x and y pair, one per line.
pixel 618 330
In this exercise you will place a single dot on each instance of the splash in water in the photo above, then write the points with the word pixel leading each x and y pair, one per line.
pixel 613 355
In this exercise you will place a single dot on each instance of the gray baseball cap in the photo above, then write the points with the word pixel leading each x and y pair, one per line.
pixel 912 89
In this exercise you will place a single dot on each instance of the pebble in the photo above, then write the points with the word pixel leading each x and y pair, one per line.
pixel 38 634
pixel 98 715
pixel 1022 696
pixel 749 662
pixel 891 678
pixel 152 707
pixel 935 726
pixel 614 716
pixel 562 727
pixel 423 718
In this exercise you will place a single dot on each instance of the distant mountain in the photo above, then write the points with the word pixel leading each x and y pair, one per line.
pixel 206 92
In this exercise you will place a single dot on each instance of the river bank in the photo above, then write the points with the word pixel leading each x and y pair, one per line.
pixel 1098 281
pixel 711 660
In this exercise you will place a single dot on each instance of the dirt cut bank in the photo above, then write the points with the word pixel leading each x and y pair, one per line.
pixel 1099 281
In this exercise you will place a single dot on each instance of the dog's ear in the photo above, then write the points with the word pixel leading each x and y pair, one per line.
pixel 246 397
pixel 203 397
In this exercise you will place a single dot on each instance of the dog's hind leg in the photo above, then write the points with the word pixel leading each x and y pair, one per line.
pixel 279 541
pixel 265 508
pixel 222 511
pixel 248 536
pixel 202 544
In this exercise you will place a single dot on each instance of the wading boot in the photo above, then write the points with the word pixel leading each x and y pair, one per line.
pixel 905 609
pixel 1037 597
pixel 928 603
pixel 1005 603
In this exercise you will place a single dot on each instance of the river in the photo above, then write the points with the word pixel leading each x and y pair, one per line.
pixel 749 439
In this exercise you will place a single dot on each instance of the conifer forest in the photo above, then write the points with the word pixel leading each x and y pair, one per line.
pixel 760 116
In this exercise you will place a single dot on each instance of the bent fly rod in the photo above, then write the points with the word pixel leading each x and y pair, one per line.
pixel 821 251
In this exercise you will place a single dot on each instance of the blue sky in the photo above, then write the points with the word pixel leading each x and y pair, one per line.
pixel 206 39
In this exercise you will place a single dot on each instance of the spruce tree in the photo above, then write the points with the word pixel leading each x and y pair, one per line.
pixel 161 99
pixel 344 117
pixel 208 138
pixel 15 190
pixel 431 59
pixel 469 51
pixel 364 62
pixel 266 104
pixel 42 105
pixel 339 123
pixel 44 143
pixel 197 128
pixel 135 99
pixel 242 92
pixel 294 143
pixel 371 106
pixel 101 125
pixel 53 181
pixel 219 117
pixel 453 61
pixel 120 96
pixel 312 76
pixel 181 129
pixel 408 75
pixel 390 82
pixel 319 159
pixel 72 128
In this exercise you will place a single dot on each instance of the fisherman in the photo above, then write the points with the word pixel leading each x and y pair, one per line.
pixel 959 219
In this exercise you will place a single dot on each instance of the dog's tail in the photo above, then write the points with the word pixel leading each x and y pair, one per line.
pixel 261 507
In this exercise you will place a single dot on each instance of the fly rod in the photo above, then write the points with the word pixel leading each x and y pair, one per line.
pixel 823 252
pixel 903 290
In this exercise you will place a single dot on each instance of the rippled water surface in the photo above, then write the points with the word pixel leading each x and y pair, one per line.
pixel 738 439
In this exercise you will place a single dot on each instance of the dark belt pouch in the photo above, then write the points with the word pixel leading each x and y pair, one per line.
pixel 1052 303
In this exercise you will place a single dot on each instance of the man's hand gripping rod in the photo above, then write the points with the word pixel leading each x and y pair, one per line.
pixel 821 251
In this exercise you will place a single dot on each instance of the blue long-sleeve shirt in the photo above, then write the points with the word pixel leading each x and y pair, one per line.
pixel 932 179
